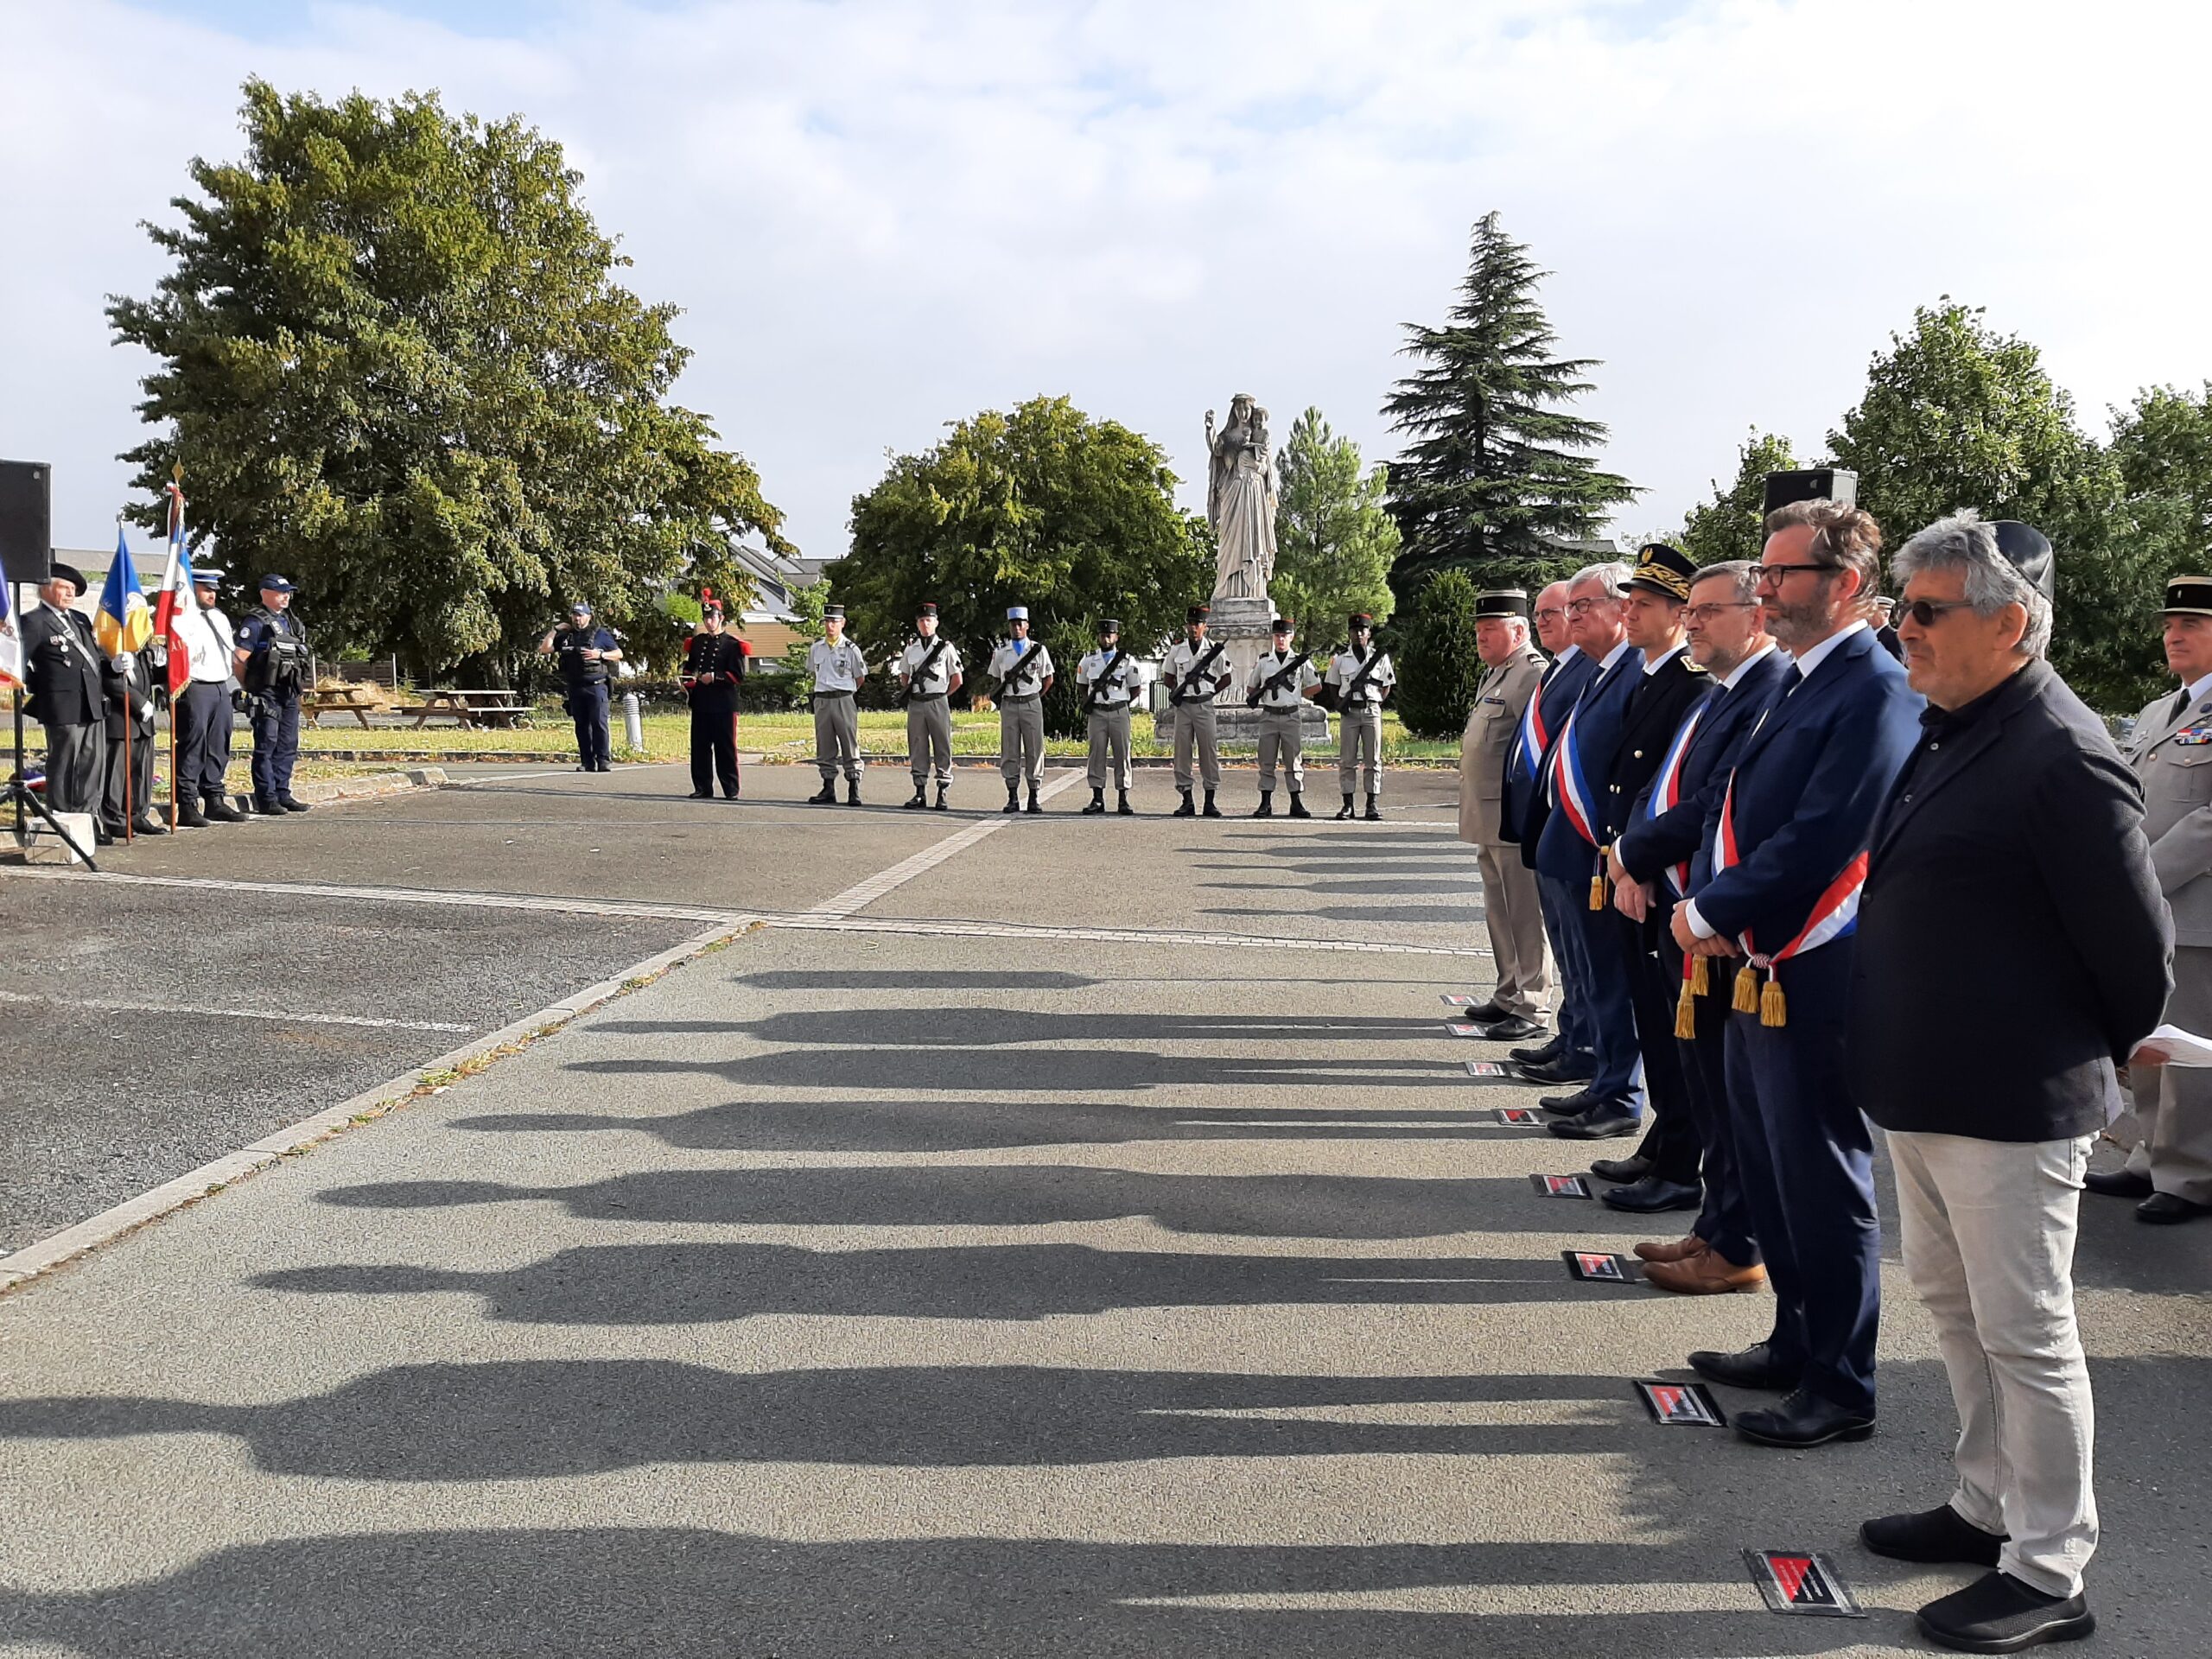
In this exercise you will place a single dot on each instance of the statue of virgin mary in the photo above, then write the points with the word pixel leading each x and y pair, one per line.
pixel 1241 489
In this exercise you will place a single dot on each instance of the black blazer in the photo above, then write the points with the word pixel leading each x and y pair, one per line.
pixel 1649 847
pixel 714 667
pixel 1655 711
pixel 126 691
pixel 62 663
pixel 2012 944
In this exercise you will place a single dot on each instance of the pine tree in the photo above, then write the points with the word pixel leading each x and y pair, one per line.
pixel 1495 474
pixel 1732 525
pixel 1439 669
pixel 1334 536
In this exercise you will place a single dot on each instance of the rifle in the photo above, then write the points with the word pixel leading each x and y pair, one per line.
pixel 1098 686
pixel 1359 679
pixel 1016 669
pixel 1279 678
pixel 929 660
pixel 1176 698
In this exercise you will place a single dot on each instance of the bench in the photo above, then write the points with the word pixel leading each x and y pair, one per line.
pixel 492 708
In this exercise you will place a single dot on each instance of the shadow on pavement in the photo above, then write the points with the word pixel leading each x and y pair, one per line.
pixel 967 1070
pixel 955 1028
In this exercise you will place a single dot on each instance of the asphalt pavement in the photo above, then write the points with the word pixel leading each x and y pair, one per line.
pixel 1067 1238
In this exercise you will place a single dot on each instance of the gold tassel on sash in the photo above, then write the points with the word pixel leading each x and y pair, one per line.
pixel 1700 981
pixel 1685 1009
pixel 1774 1008
pixel 1598 881
pixel 1747 990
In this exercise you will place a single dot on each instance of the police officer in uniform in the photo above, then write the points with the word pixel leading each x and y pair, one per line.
pixel 837 668
pixel 62 663
pixel 714 669
pixel 587 655
pixel 1109 679
pixel 929 673
pixel 1023 669
pixel 202 713
pixel 271 661
pixel 1361 676
pixel 1281 682
pixel 1196 673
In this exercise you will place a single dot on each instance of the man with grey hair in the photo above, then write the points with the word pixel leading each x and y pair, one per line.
pixel 2011 850
pixel 1513 669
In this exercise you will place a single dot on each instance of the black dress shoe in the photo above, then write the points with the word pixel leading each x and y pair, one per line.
pixel 189 816
pixel 219 811
pixel 701 794
pixel 291 805
pixel 1938 1535
pixel 1755 1367
pixel 2118 1183
pixel 1542 1053
pixel 2169 1209
pixel 1572 1105
pixel 1601 1122
pixel 1487 1013
pixel 149 827
pixel 1567 1069
pixel 265 808
pixel 1653 1194
pixel 1804 1419
pixel 1511 1029
pixel 1997 1613
pixel 1621 1169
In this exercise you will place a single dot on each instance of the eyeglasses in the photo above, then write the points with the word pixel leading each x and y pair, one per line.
pixel 1704 613
pixel 1550 611
pixel 1580 606
pixel 1778 573
pixel 1924 613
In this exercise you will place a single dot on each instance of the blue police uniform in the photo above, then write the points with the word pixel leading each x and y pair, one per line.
pixel 275 674
pixel 1799 810
pixel 1525 806
pixel 586 686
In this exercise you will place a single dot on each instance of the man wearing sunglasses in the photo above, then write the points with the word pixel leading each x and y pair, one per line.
pixel 1779 906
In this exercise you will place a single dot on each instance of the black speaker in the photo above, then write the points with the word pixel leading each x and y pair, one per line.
pixel 27 520
pixel 1820 484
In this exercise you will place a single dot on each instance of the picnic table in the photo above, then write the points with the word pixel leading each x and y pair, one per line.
pixel 357 701
pixel 494 708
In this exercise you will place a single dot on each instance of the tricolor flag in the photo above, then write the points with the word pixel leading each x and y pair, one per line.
pixel 176 603
pixel 122 622
pixel 11 643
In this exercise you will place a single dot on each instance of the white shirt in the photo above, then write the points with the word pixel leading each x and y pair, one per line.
pixel 939 678
pixel 1345 664
pixel 1653 664
pixel 208 644
pixel 836 668
pixel 1736 674
pixel 1614 656
pixel 1185 655
pixel 1036 667
pixel 1117 690
pixel 1292 692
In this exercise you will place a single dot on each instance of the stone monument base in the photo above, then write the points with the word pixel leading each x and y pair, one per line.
pixel 1236 725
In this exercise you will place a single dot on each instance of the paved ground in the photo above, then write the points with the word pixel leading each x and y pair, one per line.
pixel 1046 1254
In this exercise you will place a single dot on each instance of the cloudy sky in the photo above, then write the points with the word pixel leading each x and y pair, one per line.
pixel 879 216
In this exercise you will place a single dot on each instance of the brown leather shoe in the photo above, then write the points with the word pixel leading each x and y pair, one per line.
pixel 1709 1274
pixel 1680 1251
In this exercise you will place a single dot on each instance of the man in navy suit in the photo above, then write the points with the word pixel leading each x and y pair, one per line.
pixel 1789 860
pixel 1568 1057
pixel 1663 855
pixel 1568 852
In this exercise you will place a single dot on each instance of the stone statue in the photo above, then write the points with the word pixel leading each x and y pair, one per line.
pixel 1240 488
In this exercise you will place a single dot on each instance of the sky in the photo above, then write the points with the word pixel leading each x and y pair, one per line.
pixel 879 216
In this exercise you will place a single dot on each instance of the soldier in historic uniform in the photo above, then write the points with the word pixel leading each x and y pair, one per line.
pixel 1023 669
pixel 1195 674
pixel 2170 1169
pixel 838 669
pixel 1513 669
pixel 714 669
pixel 1361 676
pixel 929 673
pixel 1109 679
pixel 1282 681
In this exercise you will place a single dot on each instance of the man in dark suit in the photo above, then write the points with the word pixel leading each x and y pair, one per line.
pixel 1663 690
pixel 61 671
pixel 1568 851
pixel 1665 853
pixel 127 804
pixel 2011 851
pixel 1569 1056
pixel 1783 892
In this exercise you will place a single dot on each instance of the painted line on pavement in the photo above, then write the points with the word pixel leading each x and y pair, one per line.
pixel 933 928
pixel 861 896
pixel 272 1016
pixel 464 897
pixel 128 1216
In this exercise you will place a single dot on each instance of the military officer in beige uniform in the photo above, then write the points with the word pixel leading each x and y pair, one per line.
pixel 1281 681
pixel 1109 678
pixel 1023 669
pixel 929 673
pixel 1361 676
pixel 2171 1168
pixel 837 668
pixel 1195 673
pixel 1514 669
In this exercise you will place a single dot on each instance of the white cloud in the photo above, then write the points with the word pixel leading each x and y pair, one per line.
pixel 883 216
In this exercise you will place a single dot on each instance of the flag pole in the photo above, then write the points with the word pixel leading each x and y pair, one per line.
pixel 177 531
pixel 130 818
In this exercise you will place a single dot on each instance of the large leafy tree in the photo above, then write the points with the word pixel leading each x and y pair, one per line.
pixel 1732 525
pixel 2162 445
pixel 1334 536
pixel 1956 414
pixel 1042 506
pixel 1439 669
pixel 396 364
pixel 1496 469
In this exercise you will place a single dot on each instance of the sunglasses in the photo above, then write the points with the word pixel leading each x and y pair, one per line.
pixel 1924 613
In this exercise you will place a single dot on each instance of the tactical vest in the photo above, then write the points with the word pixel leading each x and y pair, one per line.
pixel 280 665
pixel 569 645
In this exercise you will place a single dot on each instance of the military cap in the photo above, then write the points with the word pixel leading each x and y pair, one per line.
pixel 1664 570
pixel 829 610
pixel 2185 596
pixel 67 573
pixel 927 607
pixel 206 575
pixel 1199 612
pixel 1361 620
pixel 1109 625
pixel 1280 624
pixel 1505 602
pixel 2029 550
pixel 1017 613
pixel 274 584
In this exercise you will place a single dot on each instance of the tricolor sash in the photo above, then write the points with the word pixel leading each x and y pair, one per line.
pixel 1571 786
pixel 1834 914
pixel 1534 741
pixel 1667 791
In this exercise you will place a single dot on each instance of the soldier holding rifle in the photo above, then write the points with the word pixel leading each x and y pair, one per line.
pixel 1280 685
pixel 1359 677
pixel 1023 669
pixel 929 673
pixel 1194 675
pixel 1109 681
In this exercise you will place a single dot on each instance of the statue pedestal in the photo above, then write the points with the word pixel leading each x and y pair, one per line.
pixel 1242 626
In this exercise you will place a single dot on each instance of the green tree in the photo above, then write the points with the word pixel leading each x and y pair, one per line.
pixel 1042 506
pixel 2162 445
pixel 1956 414
pixel 1438 668
pixel 396 364
pixel 1334 537
pixel 1732 524
pixel 1496 471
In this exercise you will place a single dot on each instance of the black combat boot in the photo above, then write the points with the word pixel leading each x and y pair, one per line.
pixel 1122 806
pixel 941 791
pixel 1211 810
pixel 1347 810
pixel 1187 811
pixel 1298 805
pixel 1013 798
pixel 852 792
pixel 921 797
pixel 828 797
pixel 1266 808
pixel 189 816
pixel 1374 813
pixel 219 811
pixel 1097 803
pixel 1035 805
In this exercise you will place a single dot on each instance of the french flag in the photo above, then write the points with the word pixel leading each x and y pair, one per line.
pixel 175 603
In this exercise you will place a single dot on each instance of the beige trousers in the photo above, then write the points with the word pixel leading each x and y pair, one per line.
pixel 1359 750
pixel 1516 918
pixel 1022 741
pixel 929 740
pixel 1109 747
pixel 1194 730
pixel 837 736
pixel 2173 1103
pixel 1282 735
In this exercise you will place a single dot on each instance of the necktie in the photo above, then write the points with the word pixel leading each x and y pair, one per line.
pixel 1792 677
pixel 2180 707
